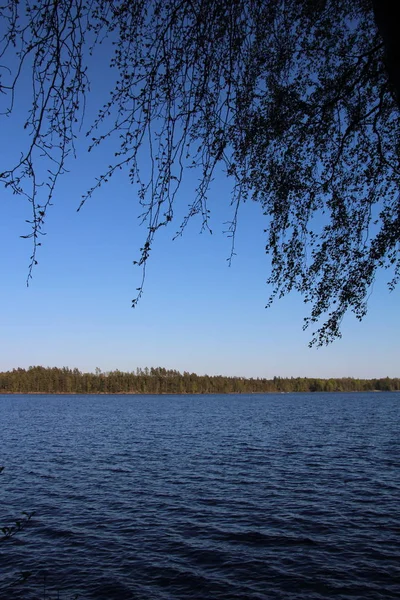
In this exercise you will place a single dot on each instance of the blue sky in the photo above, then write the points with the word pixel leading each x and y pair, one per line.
pixel 196 314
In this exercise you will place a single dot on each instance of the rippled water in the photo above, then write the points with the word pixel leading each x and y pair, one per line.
pixel 172 497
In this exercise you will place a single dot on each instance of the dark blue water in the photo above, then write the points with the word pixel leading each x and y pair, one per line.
pixel 174 497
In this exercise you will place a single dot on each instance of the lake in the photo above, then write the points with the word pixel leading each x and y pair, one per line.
pixel 281 496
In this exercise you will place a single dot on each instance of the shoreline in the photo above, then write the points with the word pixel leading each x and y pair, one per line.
pixel 193 393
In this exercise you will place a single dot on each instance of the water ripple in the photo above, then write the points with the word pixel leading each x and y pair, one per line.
pixel 221 497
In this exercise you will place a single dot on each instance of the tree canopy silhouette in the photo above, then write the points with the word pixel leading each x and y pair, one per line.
pixel 296 100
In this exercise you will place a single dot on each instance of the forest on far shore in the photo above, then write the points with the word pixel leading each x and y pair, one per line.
pixel 54 380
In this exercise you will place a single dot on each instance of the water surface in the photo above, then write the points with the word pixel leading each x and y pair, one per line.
pixel 287 496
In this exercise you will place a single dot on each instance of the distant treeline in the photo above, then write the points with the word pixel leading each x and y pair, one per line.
pixel 166 381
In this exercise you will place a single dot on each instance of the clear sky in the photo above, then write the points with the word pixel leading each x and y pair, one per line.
pixel 196 314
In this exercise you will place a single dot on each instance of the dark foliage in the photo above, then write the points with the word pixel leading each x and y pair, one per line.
pixel 296 100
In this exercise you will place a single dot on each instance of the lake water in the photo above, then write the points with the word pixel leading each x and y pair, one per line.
pixel 290 496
